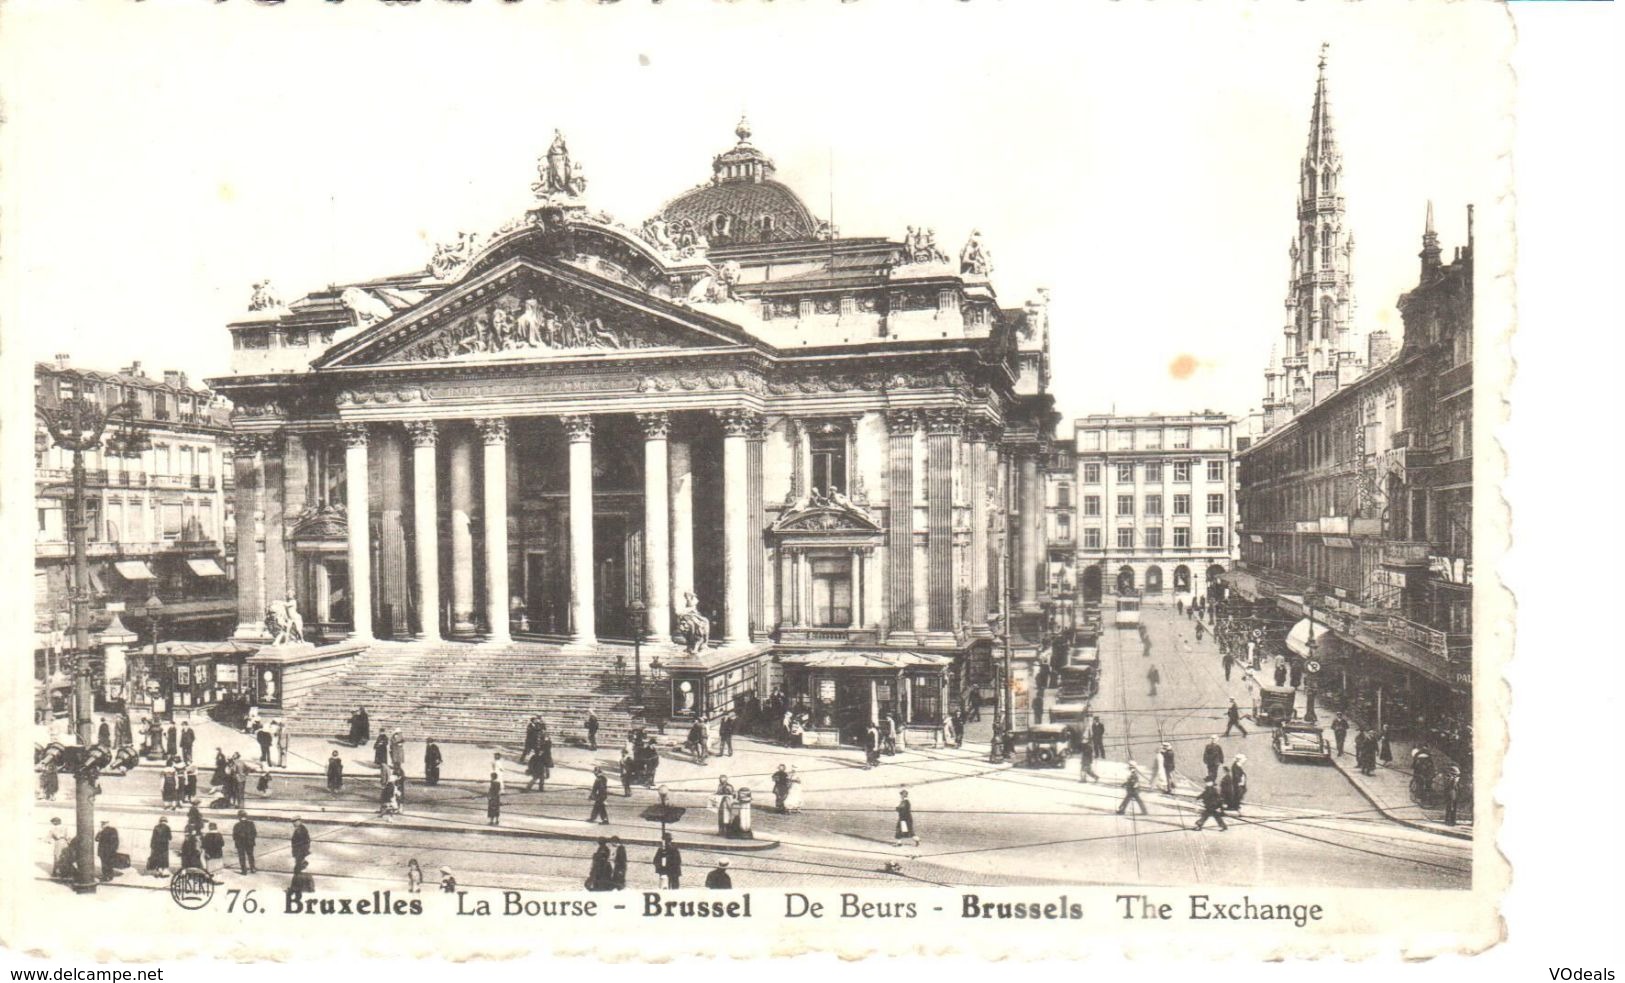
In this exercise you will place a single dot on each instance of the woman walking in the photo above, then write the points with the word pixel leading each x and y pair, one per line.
pixel 493 801
pixel 414 876
pixel 906 829
pixel 792 796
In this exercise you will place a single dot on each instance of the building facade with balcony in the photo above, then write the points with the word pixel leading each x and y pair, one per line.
pixel 157 524
pixel 1061 521
pixel 1156 503
pixel 1356 518
pixel 569 431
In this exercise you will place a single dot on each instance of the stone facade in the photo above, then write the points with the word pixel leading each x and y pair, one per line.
pixel 574 430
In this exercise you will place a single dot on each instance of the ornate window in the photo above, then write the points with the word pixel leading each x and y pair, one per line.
pixel 831 591
pixel 829 459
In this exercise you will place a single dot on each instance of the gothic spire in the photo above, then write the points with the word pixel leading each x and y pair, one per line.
pixel 1322 139
pixel 1430 244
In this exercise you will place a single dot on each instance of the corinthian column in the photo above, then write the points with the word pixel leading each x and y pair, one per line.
pixel 462 533
pixel 426 526
pixel 494 433
pixel 656 516
pixel 900 425
pixel 1031 512
pixel 358 528
pixel 682 521
pixel 737 427
pixel 583 596
pixel 976 488
pixel 942 429
pixel 250 583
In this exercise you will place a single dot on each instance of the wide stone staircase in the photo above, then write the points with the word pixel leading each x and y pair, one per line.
pixel 462 692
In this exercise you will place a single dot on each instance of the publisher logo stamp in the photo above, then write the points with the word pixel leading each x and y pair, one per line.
pixel 191 888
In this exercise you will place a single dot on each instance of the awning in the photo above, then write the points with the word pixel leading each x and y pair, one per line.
pixel 206 567
pixel 835 659
pixel 1297 640
pixel 133 569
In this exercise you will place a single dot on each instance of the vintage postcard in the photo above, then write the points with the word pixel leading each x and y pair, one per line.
pixel 650 479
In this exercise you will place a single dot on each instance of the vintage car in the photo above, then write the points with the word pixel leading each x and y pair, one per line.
pixel 1048 745
pixel 1276 704
pixel 1301 739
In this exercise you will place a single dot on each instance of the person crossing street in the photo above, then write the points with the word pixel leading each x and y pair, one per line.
pixel 1131 791
pixel 1233 720
pixel 1212 807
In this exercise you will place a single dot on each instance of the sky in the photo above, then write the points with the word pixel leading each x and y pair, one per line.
pixel 1138 160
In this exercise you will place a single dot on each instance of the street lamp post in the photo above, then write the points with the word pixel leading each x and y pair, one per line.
pixel 77 425
pixel 636 610
pixel 155 608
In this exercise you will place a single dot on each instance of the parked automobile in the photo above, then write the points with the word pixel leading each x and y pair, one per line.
pixel 1301 739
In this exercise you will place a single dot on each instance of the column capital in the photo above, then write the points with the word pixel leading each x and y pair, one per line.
pixel 578 426
pixel 902 420
pixel 354 434
pixel 424 432
pixel 739 422
pixel 656 425
pixel 979 430
pixel 249 444
pixel 493 429
pixel 944 420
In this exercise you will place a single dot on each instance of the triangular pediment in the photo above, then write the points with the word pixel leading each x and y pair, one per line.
pixel 827 515
pixel 529 309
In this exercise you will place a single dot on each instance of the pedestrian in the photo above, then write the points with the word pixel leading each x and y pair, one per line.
pixel 1166 760
pixel 1212 807
pixel 725 735
pixel 718 879
pixel 1450 792
pixel 244 836
pixel 905 821
pixel 187 740
pixel 104 734
pixel 121 731
pixel 1233 720
pixel 668 864
pixel 380 749
pixel 217 778
pixel 397 748
pixel 1131 790
pixel 538 773
pixel 949 738
pixel 617 864
pixel 1385 750
pixel 265 741
pixel 1280 672
pixel 1213 758
pixel 300 840
pixel 431 763
pixel 194 820
pixel 360 727
pixel 107 849
pixel 191 851
pixel 189 787
pixel 600 875
pixel 1229 663
pixel 414 876
pixel 1086 762
pixel 1097 736
pixel 781 787
pixel 1227 790
pixel 533 737
pixel 335 773
pixel 49 783
pixel 1153 677
pixel 386 793
pixel 599 794
pixel 448 882
pixel 1179 605
pixel 168 787
pixel 158 853
pixel 493 801
pixel 545 752
pixel 1238 775
pixel 301 882
pixel 57 835
pixel 281 744
pixel 1340 731
pixel 591 726
pixel 899 735
pixel 214 849
pixel 1199 631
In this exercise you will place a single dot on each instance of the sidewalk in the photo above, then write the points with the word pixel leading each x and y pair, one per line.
pixel 1389 790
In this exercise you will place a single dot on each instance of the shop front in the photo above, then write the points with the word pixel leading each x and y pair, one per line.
pixel 188 678
pixel 843 692
pixel 701 692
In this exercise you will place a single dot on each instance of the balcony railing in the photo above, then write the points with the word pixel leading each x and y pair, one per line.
pixel 837 637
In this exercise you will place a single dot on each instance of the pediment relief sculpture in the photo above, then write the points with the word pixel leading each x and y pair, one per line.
pixel 522 321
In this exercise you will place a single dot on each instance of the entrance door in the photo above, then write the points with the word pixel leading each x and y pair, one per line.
pixel 541 612
pixel 612 545
pixel 852 709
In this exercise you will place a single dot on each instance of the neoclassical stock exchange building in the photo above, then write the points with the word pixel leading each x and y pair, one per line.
pixel 478 481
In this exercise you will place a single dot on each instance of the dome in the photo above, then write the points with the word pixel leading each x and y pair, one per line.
pixel 743 203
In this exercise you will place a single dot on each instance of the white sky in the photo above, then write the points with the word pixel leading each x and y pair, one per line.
pixel 1138 159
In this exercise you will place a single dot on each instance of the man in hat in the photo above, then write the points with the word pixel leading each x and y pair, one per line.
pixel 1212 807
pixel 617 864
pixel 214 849
pixel 335 772
pixel 668 864
pixel 1131 790
pixel 1213 758
pixel 1233 719
pixel 591 726
pixel 1340 732
pixel 1166 758
pixel 281 744
pixel 1097 736
pixel 718 879
pixel 1451 793
pixel 1238 776
pixel 244 835
pixel 1086 762
pixel 300 841
pixel 107 848
pixel 265 740
pixel 187 740
pixel 599 794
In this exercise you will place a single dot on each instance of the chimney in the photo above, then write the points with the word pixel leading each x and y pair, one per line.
pixel 1349 368
pixel 134 368
pixel 173 377
pixel 1325 385
pixel 1300 400
pixel 61 360
pixel 1379 348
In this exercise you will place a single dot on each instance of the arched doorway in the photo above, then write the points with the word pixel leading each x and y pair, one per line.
pixel 1182 579
pixel 1125 579
pixel 1153 580
pixel 1091 582
pixel 1214 588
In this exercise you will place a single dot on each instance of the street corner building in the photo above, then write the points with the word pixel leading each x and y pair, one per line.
pixel 641 469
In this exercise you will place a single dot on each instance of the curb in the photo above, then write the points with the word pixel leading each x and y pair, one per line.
pixel 369 820
pixel 1391 817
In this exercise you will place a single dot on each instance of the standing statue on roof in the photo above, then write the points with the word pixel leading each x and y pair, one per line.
pixel 975 259
pixel 557 174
